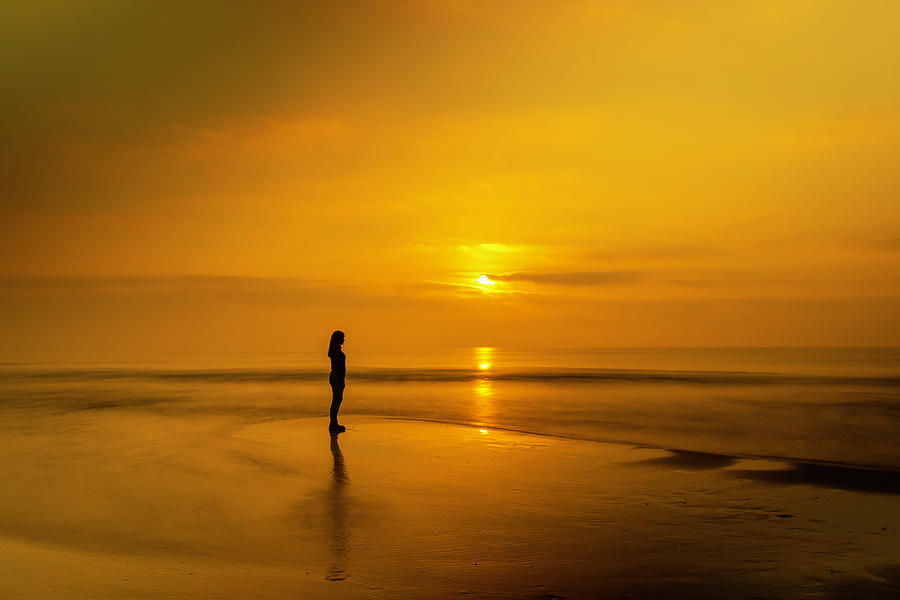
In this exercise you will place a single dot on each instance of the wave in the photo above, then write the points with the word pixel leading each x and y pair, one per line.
pixel 560 376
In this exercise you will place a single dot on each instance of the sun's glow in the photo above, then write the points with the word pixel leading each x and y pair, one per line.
pixel 483 280
pixel 484 357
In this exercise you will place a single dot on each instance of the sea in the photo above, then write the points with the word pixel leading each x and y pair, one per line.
pixel 834 406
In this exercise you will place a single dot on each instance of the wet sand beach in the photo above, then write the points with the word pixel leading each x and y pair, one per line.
pixel 129 505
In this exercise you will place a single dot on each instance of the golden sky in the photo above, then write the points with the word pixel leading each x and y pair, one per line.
pixel 225 175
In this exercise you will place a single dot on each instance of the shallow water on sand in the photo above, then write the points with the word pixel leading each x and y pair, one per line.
pixel 212 507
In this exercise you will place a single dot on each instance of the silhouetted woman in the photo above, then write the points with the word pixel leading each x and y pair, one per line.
pixel 336 379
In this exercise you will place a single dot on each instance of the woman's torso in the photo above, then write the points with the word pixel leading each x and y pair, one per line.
pixel 338 364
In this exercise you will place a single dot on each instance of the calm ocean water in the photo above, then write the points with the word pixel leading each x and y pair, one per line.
pixel 834 405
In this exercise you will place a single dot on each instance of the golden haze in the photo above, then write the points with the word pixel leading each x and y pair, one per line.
pixel 691 173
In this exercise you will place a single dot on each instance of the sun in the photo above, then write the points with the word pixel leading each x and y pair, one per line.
pixel 483 280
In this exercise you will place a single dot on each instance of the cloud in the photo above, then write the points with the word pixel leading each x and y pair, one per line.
pixel 875 244
pixel 574 277
pixel 674 253
pixel 237 290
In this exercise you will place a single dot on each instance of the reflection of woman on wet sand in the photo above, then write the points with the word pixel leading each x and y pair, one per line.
pixel 336 379
pixel 337 510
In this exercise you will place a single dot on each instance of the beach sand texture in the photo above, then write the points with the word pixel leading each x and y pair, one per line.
pixel 129 505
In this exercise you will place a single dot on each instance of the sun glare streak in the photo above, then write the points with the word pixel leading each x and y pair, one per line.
pixel 483 280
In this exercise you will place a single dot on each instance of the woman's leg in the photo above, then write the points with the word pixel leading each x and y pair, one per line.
pixel 337 396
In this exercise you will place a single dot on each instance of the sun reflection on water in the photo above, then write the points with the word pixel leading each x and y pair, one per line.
pixel 482 386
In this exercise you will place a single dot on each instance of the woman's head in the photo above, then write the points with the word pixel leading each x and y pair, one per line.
pixel 337 338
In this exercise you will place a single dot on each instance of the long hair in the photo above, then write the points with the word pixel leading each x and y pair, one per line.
pixel 335 344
